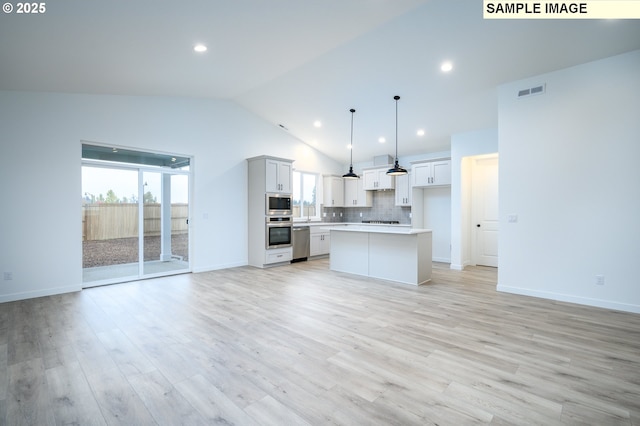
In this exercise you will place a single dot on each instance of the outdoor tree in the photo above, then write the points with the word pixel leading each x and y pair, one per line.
pixel 149 198
pixel 111 197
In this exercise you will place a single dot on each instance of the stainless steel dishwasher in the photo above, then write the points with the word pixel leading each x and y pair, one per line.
pixel 300 243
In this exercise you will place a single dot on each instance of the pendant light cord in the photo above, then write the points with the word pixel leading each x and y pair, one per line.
pixel 351 146
pixel 396 98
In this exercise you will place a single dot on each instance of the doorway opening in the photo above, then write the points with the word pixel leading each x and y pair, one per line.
pixel 135 214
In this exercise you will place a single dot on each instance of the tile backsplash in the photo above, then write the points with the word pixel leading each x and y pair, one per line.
pixel 384 208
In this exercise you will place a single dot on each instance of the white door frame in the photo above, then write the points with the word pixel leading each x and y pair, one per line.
pixel 140 169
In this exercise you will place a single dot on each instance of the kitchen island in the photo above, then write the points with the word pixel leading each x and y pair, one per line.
pixel 391 253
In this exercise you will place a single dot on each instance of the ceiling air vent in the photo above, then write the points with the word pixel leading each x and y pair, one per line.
pixel 536 90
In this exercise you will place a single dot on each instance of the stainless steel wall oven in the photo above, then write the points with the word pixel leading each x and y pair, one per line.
pixel 279 231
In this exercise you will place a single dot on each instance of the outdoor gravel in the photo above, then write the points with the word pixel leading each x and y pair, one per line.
pixel 125 250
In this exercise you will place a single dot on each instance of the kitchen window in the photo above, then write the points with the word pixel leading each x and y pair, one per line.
pixel 305 200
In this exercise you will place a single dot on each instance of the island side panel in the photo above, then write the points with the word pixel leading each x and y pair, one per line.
pixel 394 257
pixel 349 252
pixel 425 256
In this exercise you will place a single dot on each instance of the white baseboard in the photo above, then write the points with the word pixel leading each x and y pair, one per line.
pixel 456 267
pixel 441 259
pixel 39 293
pixel 219 266
pixel 598 303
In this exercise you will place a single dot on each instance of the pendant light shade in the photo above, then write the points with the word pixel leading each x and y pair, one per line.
pixel 350 174
pixel 396 170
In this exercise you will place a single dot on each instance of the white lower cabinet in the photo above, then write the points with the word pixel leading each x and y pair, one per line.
pixel 320 241
pixel 278 255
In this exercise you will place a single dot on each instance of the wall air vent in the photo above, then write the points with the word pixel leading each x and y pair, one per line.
pixel 536 90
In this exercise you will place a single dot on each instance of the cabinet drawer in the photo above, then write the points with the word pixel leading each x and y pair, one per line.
pixel 278 255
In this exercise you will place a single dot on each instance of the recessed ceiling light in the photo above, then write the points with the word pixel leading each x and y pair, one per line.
pixel 200 48
pixel 420 132
pixel 349 146
pixel 446 66
pixel 317 123
pixel 382 140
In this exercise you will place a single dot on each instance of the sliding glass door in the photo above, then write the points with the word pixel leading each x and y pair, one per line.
pixel 110 216
pixel 165 239
pixel 135 221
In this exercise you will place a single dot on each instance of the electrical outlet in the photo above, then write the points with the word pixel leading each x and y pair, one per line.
pixel 599 279
pixel 360 214
pixel 8 276
pixel 512 218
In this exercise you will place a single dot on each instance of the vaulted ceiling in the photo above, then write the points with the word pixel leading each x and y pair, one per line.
pixel 296 62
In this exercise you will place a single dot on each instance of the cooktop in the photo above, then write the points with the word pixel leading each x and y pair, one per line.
pixel 385 222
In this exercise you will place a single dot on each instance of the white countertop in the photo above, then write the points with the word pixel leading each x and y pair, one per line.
pixel 380 229
pixel 315 223
pixel 304 223
pixel 336 224
pixel 386 228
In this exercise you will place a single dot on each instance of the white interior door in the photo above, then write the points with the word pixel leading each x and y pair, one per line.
pixel 485 210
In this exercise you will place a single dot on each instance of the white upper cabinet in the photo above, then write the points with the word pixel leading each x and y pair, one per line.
pixel 355 194
pixel 375 179
pixel 333 191
pixel 279 176
pixel 431 173
pixel 403 190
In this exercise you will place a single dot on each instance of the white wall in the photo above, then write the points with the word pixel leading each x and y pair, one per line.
pixel 436 212
pixel 40 182
pixel 464 146
pixel 569 170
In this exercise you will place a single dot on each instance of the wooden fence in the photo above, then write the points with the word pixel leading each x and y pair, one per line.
pixel 120 220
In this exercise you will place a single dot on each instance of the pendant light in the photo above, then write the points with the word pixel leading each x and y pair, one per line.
pixel 396 170
pixel 350 174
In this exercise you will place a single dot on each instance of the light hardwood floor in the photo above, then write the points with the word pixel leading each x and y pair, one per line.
pixel 300 344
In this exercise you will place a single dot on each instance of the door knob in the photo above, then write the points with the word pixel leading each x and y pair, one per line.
pixel 478 225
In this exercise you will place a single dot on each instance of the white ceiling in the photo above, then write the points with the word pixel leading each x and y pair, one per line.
pixel 293 62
